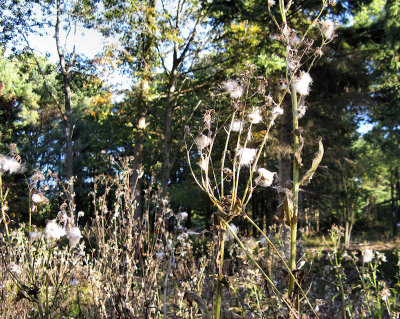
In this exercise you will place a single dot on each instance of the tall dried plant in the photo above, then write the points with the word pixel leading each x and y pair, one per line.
pixel 229 178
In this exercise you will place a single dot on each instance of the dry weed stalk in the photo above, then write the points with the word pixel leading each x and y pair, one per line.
pixel 251 107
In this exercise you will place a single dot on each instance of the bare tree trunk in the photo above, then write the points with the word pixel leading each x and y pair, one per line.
pixel 169 113
pixel 66 72
pixel 148 47
pixel 137 164
pixel 178 58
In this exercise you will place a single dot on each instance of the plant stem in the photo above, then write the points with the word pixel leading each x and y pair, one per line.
pixel 220 264
pixel 284 263
pixel 224 154
pixel 171 262
pixel 293 217
pixel 339 276
pixel 275 289
pixel 3 213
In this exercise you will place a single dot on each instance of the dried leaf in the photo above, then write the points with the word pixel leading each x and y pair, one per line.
pixel 297 155
pixel 287 206
pixel 316 161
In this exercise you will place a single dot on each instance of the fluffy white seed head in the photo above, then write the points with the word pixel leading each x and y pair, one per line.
pixel 328 28
pixel 247 156
pixel 74 236
pixel 385 293
pixel 237 126
pixel 276 111
pixel 203 163
pixel 62 217
pixel 286 31
pixel 53 231
pixel 265 177
pixel 202 141
pixel 255 116
pixel 234 89
pixel 11 165
pixel 368 255
pixel 39 198
pixel 302 83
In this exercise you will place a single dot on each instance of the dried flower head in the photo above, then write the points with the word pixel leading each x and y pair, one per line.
pixel 269 100
pixel 63 207
pixel 255 116
pixel 160 255
pixel 286 30
pixel 229 174
pixel 234 89
pixel 247 155
pixel 327 28
pixel 202 141
pixel 11 165
pixel 208 117
pixel 384 294
pixel 276 111
pixel 74 236
pixel 319 52
pixel 203 163
pixel 368 255
pixel 53 231
pixel 12 147
pixel 237 125
pixel 294 39
pixel 293 64
pixel 302 83
pixel 182 215
pixel 265 177
pixel 38 197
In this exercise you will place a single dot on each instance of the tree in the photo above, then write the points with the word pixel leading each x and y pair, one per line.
pixel 28 17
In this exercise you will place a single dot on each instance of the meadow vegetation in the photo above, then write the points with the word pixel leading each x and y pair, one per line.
pixel 231 184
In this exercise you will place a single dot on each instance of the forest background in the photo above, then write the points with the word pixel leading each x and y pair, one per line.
pixel 172 57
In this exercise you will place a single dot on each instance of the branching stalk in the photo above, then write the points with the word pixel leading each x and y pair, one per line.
pixel 294 216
